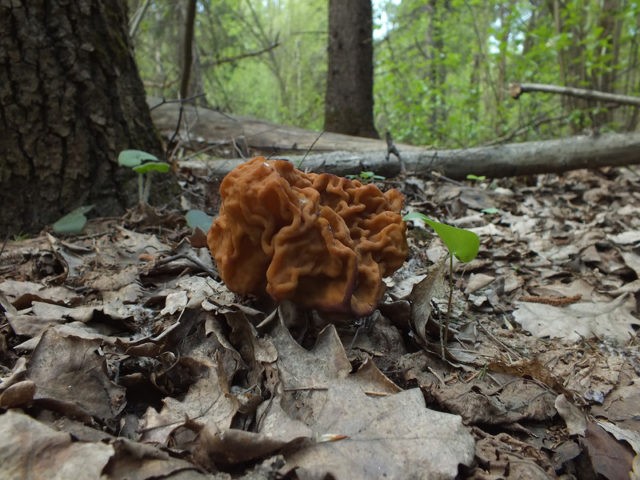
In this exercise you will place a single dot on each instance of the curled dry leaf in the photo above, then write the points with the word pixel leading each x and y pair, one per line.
pixel 18 395
pixel 207 403
pixel 69 374
pixel 572 416
pixel 137 461
pixel 505 457
pixel 609 458
pixel 622 405
pixel 30 449
pixel 611 321
pixel 421 297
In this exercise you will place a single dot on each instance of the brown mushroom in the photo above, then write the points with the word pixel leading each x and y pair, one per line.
pixel 319 240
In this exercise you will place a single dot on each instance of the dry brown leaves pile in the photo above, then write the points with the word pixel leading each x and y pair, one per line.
pixel 122 356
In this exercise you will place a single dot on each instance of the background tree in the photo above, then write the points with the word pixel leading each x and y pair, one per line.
pixel 442 68
pixel 263 59
pixel 189 84
pixel 349 98
pixel 70 100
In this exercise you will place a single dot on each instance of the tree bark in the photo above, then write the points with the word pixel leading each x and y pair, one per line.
pixel 187 48
pixel 70 100
pixel 552 156
pixel 349 95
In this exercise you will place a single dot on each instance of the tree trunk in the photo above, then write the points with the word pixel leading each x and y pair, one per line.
pixel 187 47
pixel 605 78
pixel 70 100
pixel 349 96
pixel 435 52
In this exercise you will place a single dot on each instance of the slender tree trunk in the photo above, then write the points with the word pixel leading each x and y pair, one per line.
pixel 632 79
pixel 70 100
pixel 436 70
pixel 605 78
pixel 187 48
pixel 349 96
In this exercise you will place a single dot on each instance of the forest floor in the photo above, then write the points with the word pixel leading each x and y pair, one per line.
pixel 123 355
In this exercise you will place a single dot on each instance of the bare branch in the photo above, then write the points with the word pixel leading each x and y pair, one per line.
pixel 517 89
pixel 235 58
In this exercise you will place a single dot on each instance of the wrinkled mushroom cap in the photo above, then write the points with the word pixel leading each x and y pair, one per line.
pixel 319 240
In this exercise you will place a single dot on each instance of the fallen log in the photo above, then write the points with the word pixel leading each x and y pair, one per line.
pixel 551 156
pixel 202 128
pixel 345 155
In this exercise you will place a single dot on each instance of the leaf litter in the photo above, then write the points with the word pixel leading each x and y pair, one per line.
pixel 122 355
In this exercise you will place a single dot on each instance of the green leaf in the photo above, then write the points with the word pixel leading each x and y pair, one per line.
pixel 478 178
pixel 490 210
pixel 461 243
pixel 134 158
pixel 366 176
pixel 199 219
pixel 161 167
pixel 72 222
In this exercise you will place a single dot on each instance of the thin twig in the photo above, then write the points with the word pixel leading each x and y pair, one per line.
pixel 499 342
pixel 313 144
pixel 242 56
pixel 180 101
pixel 193 260
pixel 444 336
pixel 4 244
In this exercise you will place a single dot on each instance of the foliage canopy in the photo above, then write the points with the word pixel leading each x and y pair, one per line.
pixel 442 68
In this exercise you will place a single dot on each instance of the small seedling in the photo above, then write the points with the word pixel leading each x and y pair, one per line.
pixel 477 178
pixel 490 210
pixel 74 222
pixel 199 219
pixel 462 244
pixel 366 177
pixel 144 164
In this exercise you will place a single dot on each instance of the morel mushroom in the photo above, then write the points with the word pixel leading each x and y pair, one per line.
pixel 319 240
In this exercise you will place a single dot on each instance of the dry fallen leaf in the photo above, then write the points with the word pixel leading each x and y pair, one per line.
pixel 610 459
pixel 386 437
pixel 572 416
pixel 388 434
pixel 610 321
pixel 207 402
pixel 30 449
pixel 70 376
pixel 120 311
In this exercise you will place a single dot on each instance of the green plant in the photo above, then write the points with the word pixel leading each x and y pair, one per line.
pixel 462 244
pixel 490 210
pixel 72 222
pixel 366 177
pixel 144 164
pixel 199 219
pixel 477 178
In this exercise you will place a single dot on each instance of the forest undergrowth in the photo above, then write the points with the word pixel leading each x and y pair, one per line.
pixel 122 355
